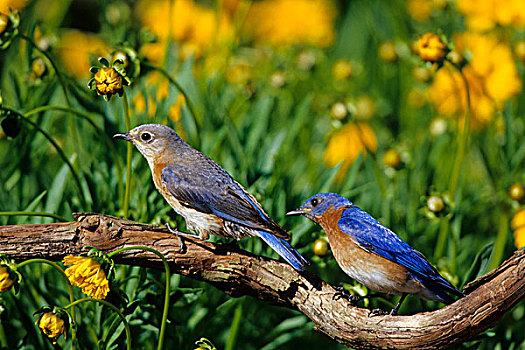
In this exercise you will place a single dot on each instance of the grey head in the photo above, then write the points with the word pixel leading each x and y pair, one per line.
pixel 154 141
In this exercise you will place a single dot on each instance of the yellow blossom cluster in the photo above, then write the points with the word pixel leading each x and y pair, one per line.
pixel 288 22
pixel 86 273
pixel 195 27
pixel 74 50
pixel 148 103
pixel 491 74
pixel 347 143
pixel 483 15
pixel 421 10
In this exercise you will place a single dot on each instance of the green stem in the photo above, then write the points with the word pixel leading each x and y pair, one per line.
pixel 463 137
pixel 62 82
pixel 499 247
pixel 444 224
pixel 85 116
pixel 179 87
pixel 57 148
pixel 69 287
pixel 114 308
pixel 166 292
pixel 128 155
pixel 3 338
pixel 232 336
pixel 33 213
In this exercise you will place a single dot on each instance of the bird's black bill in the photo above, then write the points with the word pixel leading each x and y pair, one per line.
pixel 122 136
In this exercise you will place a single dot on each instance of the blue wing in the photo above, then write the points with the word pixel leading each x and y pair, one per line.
pixel 212 190
pixel 376 238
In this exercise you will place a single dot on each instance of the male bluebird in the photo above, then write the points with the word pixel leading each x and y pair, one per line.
pixel 372 254
pixel 208 198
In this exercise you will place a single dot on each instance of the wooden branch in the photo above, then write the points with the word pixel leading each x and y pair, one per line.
pixel 238 273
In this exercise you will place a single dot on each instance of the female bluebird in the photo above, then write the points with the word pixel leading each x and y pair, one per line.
pixel 208 198
pixel 372 254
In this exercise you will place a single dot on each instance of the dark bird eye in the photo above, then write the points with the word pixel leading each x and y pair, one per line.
pixel 146 136
pixel 314 202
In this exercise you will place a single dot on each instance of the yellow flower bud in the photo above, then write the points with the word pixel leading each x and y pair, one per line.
pixel 388 52
pixel 6 281
pixel 51 325
pixel 108 82
pixel 38 68
pixel 342 69
pixel 421 74
pixel 339 111
pixel 431 48
pixel 278 79
pixel 516 191
pixel 320 247
pixel 435 204
pixel 120 55
pixel 392 158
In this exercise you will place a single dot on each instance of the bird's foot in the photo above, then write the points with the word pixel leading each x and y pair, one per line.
pixel 179 234
pixel 378 312
pixel 343 293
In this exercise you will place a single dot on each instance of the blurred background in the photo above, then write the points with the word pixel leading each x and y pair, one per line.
pixel 291 97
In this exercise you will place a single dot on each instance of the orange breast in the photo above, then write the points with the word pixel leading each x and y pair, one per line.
pixel 372 270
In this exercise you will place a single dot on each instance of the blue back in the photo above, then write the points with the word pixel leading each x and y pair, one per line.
pixel 377 239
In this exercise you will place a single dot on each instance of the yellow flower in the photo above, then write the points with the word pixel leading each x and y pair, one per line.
pixel 5 5
pixel 491 74
pixel 435 204
pixel 197 28
pixel 52 325
pixel 420 10
pixel 86 273
pixel 431 48
pixel 289 22
pixel 74 50
pixel 6 281
pixel 174 113
pixel 518 225
pixel 482 15
pixel 347 143
pixel 108 82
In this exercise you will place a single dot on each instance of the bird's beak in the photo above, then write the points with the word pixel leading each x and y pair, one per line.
pixel 298 212
pixel 122 136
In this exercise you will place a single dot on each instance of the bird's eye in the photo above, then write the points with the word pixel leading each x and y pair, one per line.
pixel 146 136
pixel 314 202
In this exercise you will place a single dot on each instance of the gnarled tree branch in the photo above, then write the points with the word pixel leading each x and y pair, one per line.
pixel 240 273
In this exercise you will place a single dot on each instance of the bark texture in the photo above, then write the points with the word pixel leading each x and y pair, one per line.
pixel 237 273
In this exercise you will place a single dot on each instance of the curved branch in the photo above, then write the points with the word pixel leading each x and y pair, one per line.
pixel 237 273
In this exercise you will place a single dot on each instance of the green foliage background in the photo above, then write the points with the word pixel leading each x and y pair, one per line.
pixel 272 142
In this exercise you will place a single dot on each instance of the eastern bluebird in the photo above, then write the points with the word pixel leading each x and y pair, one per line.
pixel 372 254
pixel 208 198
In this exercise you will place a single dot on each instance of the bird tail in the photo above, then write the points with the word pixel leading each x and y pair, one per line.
pixel 285 250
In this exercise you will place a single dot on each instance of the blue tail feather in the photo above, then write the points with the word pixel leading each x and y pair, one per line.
pixel 285 250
